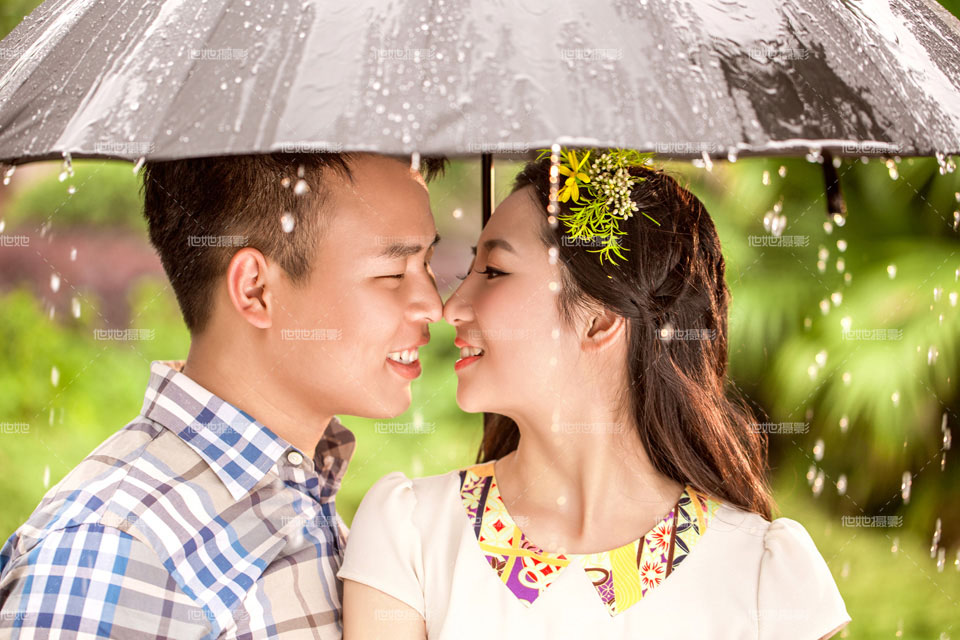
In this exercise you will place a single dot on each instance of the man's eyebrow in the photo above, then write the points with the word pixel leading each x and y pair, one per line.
pixel 493 243
pixel 403 250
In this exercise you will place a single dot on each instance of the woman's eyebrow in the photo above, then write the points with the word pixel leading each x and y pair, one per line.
pixel 493 243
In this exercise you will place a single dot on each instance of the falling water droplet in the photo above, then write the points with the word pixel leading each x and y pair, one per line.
pixel 707 162
pixel 71 189
pixel 54 282
pixel 896 544
pixel 782 171
pixel 73 254
pixel 932 354
pixel 895 398
pixel 841 245
pixel 822 357
pixel 846 378
pixel 845 323
pixel 811 474
pixel 941 559
pixel 844 423
pixel 75 307
pixel 287 222
pixel 842 484
pixel 841 265
pixel 828 227
pixel 892 271
pixel 818 484
pixel 825 307
pixel 765 179
pixel 937 292
pixel 952 296
pixel 458 213
pixel 818 450
pixel 732 154
pixel 935 543
pixel 8 174
pixel 905 485
pixel 836 298
pixel 301 187
pixel 892 169
pixel 46 477
pixel 54 376
pixel 415 161
pixel 139 163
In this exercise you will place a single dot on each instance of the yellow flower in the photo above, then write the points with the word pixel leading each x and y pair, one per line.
pixel 571 186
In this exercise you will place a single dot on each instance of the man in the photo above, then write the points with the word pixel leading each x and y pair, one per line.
pixel 306 286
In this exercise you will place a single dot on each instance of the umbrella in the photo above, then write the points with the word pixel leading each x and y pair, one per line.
pixel 716 78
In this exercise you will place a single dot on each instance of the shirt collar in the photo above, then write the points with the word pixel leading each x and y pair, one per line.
pixel 238 448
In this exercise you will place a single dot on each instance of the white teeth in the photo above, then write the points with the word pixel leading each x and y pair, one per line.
pixel 466 352
pixel 407 356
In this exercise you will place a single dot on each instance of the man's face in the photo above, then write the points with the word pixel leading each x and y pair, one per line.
pixel 336 340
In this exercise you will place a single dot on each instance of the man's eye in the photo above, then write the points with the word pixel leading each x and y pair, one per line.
pixel 398 276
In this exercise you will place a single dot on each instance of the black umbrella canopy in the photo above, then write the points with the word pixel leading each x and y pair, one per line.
pixel 180 78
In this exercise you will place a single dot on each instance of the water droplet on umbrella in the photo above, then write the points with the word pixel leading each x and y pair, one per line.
pixel 54 282
pixel 287 222
pixel 905 485
pixel 8 174
pixel 75 307
pixel 54 376
pixel 301 187
pixel 842 484
pixel 892 271
pixel 818 450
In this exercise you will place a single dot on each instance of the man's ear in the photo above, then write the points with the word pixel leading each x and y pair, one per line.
pixel 247 286
pixel 603 329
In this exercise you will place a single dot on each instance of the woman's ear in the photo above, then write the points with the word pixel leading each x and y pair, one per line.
pixel 247 287
pixel 604 328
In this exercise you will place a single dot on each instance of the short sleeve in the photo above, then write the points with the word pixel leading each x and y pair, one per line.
pixel 797 597
pixel 383 545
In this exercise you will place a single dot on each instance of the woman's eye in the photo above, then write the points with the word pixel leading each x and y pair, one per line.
pixel 490 272
pixel 398 276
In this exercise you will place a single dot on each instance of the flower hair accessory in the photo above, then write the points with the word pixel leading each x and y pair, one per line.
pixel 600 183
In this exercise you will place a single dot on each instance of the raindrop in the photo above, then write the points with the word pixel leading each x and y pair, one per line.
pixel 46 476
pixel 54 376
pixel 287 221
pixel 844 423
pixel 823 253
pixel 828 227
pixel 8 174
pixel 841 265
pixel 953 298
pixel 223 86
pixel 836 298
pixel 896 544
pixel 782 171
pixel 707 162
pixel 937 291
pixel 892 271
pixel 415 161
pixel 552 254
pixel 3 225
pixel 73 254
pixel 75 307
pixel 666 332
pixel 956 220
pixel 822 357
pixel 285 182
pixel 941 559
pixel 839 220
pixel 846 378
pixel 905 485
pixel 818 484
pixel 824 307
pixel 842 484
pixel 811 474
pixel 841 245
pixel 54 282
pixel 937 532
pixel 301 187
pixel 932 354
pixel 812 371
pixel 892 169
pixel 845 323
pixel 139 163
pixel 895 398
pixel 458 213
pixel 765 179
pixel 818 450
pixel 71 189
pixel 63 176
pixel 732 154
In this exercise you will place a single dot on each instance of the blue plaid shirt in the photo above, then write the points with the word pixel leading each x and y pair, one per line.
pixel 193 521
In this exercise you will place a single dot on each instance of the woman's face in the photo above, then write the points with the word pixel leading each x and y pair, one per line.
pixel 507 306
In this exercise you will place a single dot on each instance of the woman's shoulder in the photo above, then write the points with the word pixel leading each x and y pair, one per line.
pixel 422 491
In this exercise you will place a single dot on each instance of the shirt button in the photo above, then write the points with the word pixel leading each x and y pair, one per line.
pixel 294 458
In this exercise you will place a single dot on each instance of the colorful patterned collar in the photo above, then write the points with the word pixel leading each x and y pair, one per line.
pixel 622 577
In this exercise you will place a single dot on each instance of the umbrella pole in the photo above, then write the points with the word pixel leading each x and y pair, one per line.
pixel 831 183
pixel 486 194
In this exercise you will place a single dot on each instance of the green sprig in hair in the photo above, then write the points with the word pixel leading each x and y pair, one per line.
pixel 600 183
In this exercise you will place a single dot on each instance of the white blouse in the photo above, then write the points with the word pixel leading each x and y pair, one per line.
pixel 472 577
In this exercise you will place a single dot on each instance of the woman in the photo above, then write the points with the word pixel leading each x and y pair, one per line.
pixel 619 492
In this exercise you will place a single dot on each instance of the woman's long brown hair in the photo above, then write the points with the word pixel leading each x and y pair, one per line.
pixel 693 429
